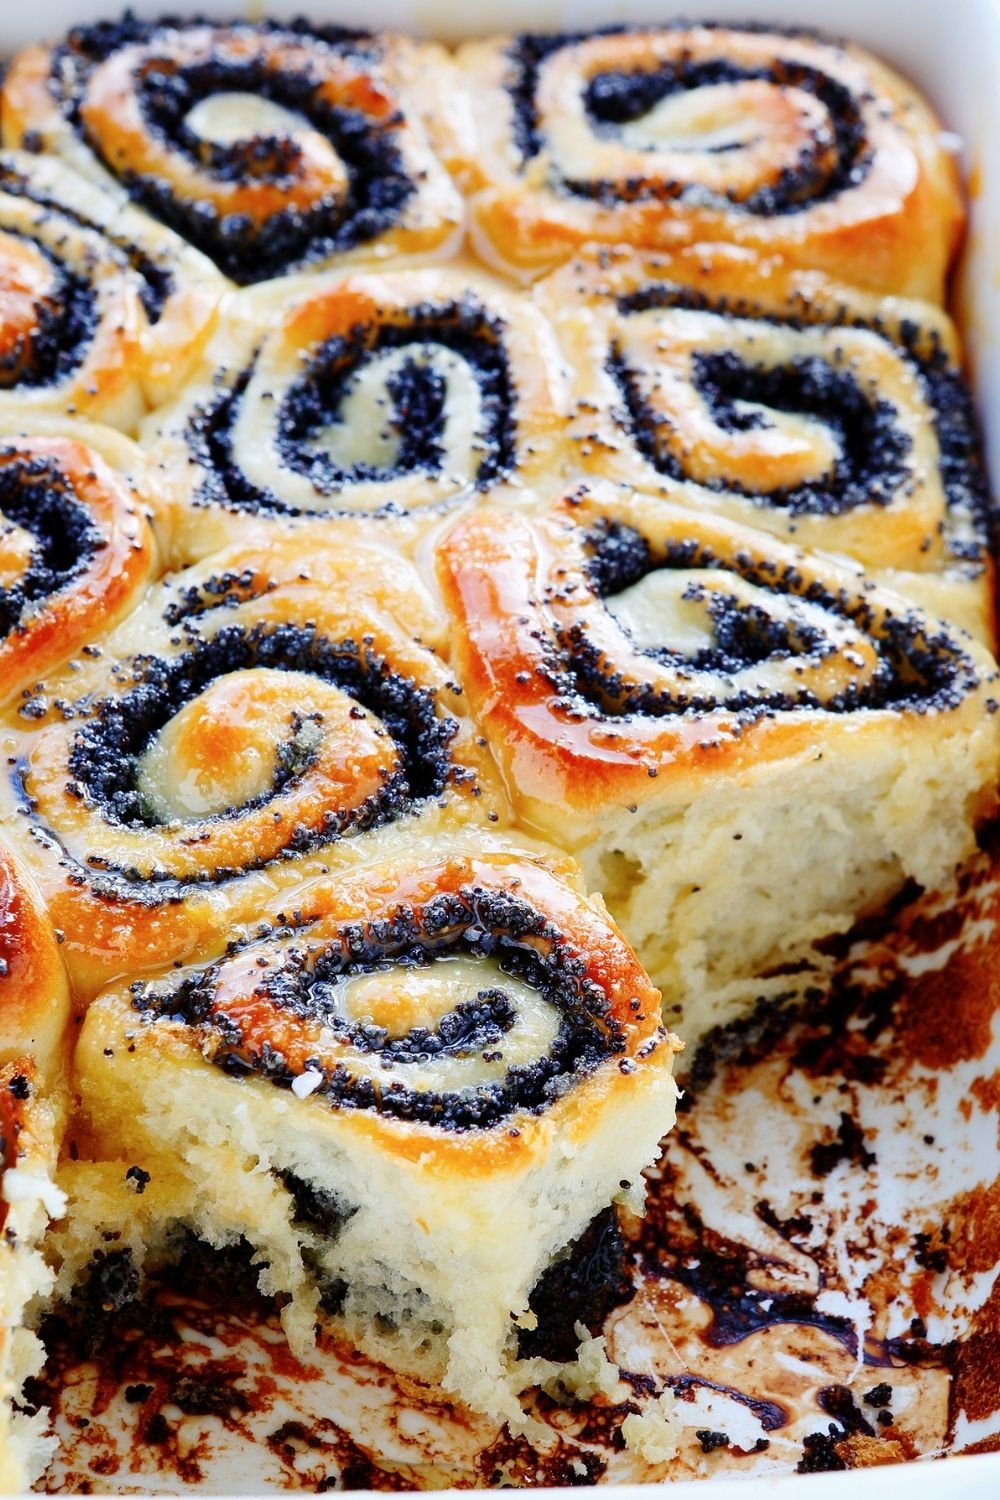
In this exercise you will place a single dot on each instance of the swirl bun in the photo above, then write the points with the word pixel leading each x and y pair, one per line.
pixel 752 389
pixel 268 148
pixel 101 310
pixel 76 548
pixel 445 1070
pixel 746 746
pixel 778 141
pixel 374 394
pixel 257 720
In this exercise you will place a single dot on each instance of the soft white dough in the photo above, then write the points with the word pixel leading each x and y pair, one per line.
pixel 716 892
pixel 33 1198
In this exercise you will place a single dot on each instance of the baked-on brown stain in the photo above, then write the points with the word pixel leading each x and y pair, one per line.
pixel 946 1016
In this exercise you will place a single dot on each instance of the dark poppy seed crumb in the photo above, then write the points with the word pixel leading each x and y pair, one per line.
pixel 139 1177
pixel 819 1452
pixel 710 1441
pixel 582 1286
pixel 847 1146
pixel 316 1206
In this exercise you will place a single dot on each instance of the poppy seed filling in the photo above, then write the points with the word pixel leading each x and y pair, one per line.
pixel 473 921
pixel 416 409
pixel 248 251
pixel 416 398
pixel 156 280
pixel 616 97
pixel 875 465
pixel 105 752
pixel 37 497
pixel 924 673
pixel 872 468
pixel 65 322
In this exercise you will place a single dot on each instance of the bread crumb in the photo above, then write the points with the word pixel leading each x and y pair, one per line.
pixel 652 1435
pixel 590 1374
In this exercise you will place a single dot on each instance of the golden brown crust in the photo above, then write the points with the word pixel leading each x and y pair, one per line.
pixel 844 170
pixel 526 608
pixel 34 996
pixel 275 712
pixel 76 547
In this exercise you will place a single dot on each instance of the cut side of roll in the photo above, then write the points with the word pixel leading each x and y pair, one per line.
pixel 268 148
pixel 34 1019
pixel 28 1199
pixel 376 395
pixel 413 1100
pixel 745 386
pixel 664 136
pixel 746 746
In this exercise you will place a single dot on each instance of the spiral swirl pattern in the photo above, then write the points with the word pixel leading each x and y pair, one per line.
pixel 456 1043
pixel 452 1005
pixel 373 394
pixel 689 133
pixel 731 735
pixel 779 398
pixel 267 148
pixel 76 551
pixel 255 721
pixel 101 310
pixel 634 640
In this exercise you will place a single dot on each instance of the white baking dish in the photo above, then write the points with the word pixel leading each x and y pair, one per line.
pixel 952 51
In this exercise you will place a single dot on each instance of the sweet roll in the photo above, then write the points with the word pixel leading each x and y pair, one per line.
pixel 267 147
pixel 257 720
pixel 379 395
pixel 661 136
pixel 447 1072
pixel 745 386
pixel 747 746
